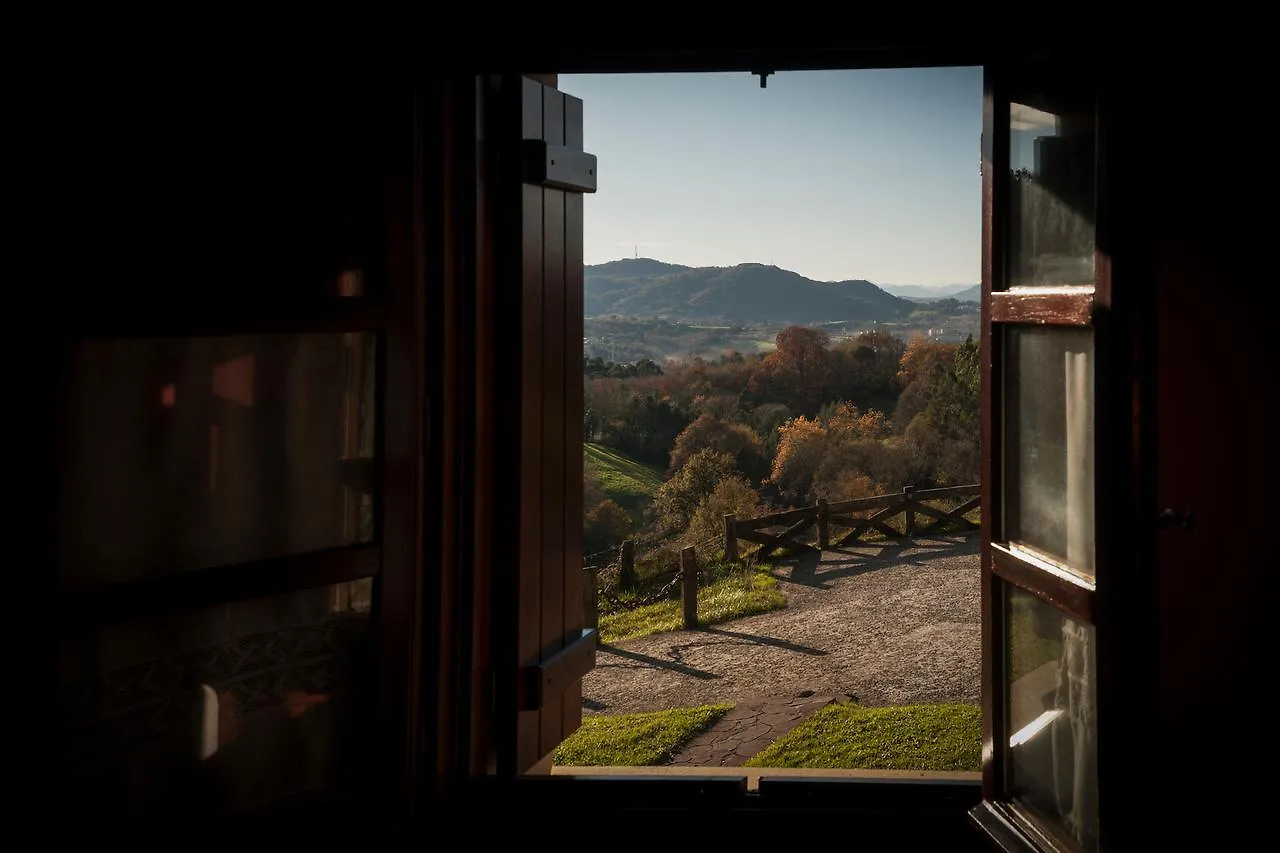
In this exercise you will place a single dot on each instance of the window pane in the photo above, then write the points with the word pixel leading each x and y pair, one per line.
pixel 1049 443
pixel 227 710
pixel 1052 703
pixel 187 453
pixel 1051 195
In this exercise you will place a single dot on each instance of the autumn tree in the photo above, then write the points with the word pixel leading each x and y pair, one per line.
pixel 799 371
pixel 802 443
pixel 846 453
pixel 738 440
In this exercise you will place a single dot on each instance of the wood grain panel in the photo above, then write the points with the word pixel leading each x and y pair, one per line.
pixel 553 446
pixel 575 619
pixel 1042 309
pixel 529 640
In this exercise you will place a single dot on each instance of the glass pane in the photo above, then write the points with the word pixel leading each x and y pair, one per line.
pixel 187 453
pixel 227 710
pixel 1049 444
pixel 1051 715
pixel 1051 195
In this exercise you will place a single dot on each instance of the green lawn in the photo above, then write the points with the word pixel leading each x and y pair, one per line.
pixel 909 737
pixel 635 740
pixel 631 484
pixel 719 601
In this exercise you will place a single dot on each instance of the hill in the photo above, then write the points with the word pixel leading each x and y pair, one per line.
pixel 631 484
pixel 749 293
pixel 969 294
pixel 922 292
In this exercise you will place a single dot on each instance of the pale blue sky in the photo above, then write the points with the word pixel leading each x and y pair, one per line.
pixel 833 174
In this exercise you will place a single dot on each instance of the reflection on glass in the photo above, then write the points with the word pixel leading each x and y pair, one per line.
pixel 228 710
pixel 1049 444
pixel 188 453
pixel 1051 196
pixel 1051 708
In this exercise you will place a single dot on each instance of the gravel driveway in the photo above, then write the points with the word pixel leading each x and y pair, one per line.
pixel 891 624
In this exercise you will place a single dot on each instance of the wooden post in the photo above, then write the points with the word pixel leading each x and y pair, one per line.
pixel 824 534
pixel 591 601
pixel 627 564
pixel 730 537
pixel 910 513
pixel 689 586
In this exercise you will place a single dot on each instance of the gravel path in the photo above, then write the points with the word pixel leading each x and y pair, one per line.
pixel 890 624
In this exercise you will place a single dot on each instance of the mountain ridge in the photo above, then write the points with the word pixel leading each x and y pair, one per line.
pixel 748 292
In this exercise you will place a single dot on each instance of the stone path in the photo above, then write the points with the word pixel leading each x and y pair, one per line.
pixel 748 728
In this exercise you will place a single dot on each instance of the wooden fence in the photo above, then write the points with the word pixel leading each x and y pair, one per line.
pixel 910 503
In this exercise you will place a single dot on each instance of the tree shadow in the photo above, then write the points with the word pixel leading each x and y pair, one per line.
pixel 650 662
pixel 759 639
pixel 593 704
pixel 817 571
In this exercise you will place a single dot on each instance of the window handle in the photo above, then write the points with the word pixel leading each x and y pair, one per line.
pixel 1182 518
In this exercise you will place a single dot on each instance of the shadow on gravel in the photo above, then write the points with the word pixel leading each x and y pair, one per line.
pixel 761 640
pixel 817 570
pixel 650 662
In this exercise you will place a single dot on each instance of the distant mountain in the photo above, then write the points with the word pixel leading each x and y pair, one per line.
pixel 969 294
pixel 642 287
pixel 923 292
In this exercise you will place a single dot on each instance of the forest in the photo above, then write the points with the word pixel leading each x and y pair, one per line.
pixel 758 432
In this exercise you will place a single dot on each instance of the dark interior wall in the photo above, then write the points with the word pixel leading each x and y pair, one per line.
pixel 1214 457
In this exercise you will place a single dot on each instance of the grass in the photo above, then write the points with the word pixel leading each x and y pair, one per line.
pixel 635 740
pixel 630 483
pixel 718 601
pixel 908 737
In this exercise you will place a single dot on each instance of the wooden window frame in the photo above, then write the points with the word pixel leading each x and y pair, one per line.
pixel 1115 601
pixel 465 662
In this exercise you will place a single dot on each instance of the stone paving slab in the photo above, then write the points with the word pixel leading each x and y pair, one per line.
pixel 748 728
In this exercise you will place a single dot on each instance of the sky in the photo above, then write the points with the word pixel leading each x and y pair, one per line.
pixel 833 174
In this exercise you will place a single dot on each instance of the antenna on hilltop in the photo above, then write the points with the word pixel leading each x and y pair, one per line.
pixel 637 250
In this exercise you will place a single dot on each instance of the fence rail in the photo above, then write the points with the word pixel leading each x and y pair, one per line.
pixel 823 516
pixel 909 503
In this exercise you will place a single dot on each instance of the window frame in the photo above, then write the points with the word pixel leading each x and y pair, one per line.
pixel 1116 602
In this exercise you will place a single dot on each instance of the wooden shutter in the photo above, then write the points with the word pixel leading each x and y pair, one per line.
pixel 541 650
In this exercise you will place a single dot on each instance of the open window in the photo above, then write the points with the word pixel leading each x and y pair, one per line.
pixel 1046 284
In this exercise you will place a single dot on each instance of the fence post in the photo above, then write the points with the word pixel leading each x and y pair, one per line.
pixel 910 513
pixel 824 534
pixel 591 594
pixel 627 564
pixel 730 537
pixel 689 586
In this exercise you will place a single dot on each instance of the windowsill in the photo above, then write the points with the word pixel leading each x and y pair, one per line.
pixel 753 774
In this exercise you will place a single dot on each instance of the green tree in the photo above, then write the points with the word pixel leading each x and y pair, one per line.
pixel 677 499
pixel 604 526
pixel 706 527
pixel 738 440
